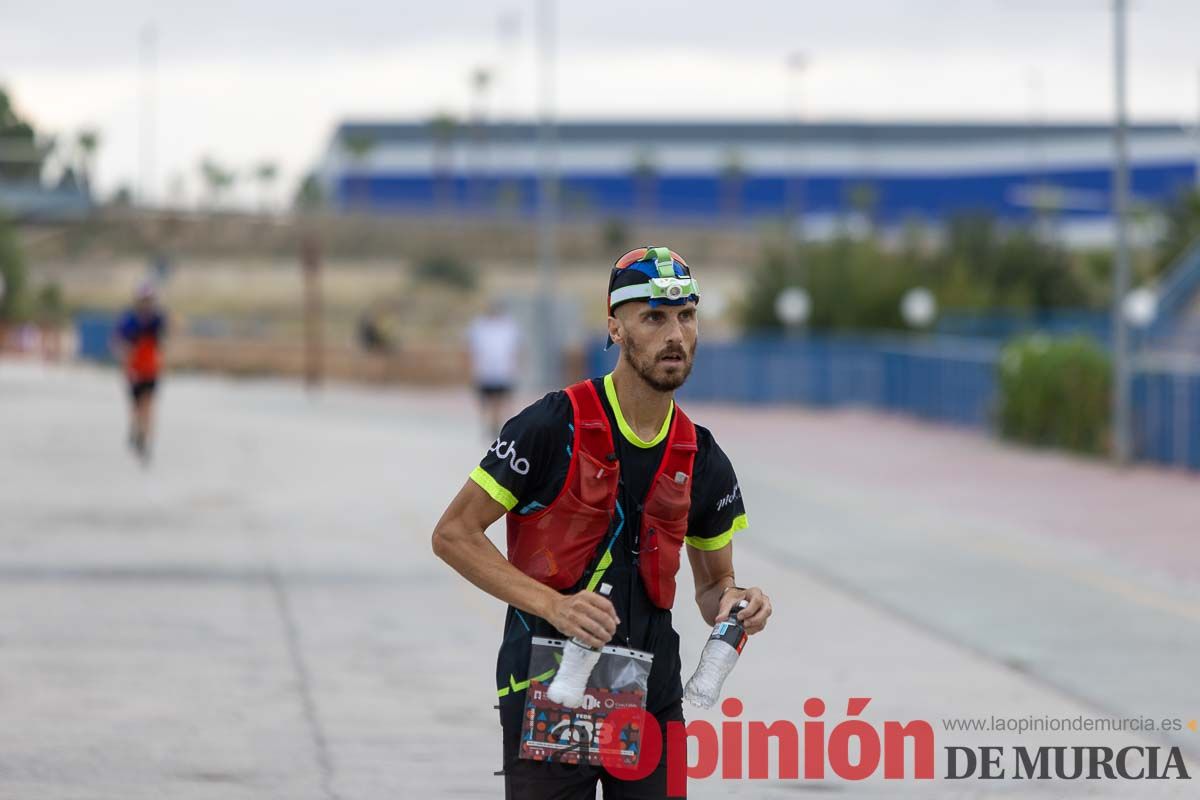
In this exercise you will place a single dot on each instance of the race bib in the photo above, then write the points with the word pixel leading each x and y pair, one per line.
pixel 552 732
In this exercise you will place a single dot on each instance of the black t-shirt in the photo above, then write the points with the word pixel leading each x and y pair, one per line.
pixel 524 470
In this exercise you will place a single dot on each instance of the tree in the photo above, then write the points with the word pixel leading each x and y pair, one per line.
pixel 1182 229
pixel 51 308
pixel 309 196
pixel 217 179
pixel 122 197
pixel 1013 269
pixel 12 273
pixel 87 141
pixel 265 174
pixel 733 174
pixel 863 199
pixel 645 177
pixel 20 156
pixel 857 284
pixel 358 145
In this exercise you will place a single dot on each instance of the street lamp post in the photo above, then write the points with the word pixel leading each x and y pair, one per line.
pixel 796 64
pixel 1122 427
pixel 548 199
pixel 481 81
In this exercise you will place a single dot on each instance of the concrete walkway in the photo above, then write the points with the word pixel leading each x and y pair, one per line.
pixel 259 615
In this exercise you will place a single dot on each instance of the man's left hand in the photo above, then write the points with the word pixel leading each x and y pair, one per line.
pixel 754 616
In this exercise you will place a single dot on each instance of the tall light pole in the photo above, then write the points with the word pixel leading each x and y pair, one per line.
pixel 1037 118
pixel 1197 177
pixel 481 80
pixel 547 197
pixel 796 64
pixel 1122 427
pixel 148 57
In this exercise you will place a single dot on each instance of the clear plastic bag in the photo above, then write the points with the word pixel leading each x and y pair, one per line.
pixel 552 732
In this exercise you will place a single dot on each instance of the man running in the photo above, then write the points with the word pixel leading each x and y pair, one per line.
pixel 607 479
pixel 137 342
pixel 495 343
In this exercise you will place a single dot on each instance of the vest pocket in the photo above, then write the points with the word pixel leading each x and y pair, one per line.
pixel 670 500
pixel 664 526
pixel 662 541
pixel 597 480
pixel 555 548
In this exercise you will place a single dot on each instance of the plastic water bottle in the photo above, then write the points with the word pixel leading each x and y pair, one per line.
pixel 720 654
pixel 579 660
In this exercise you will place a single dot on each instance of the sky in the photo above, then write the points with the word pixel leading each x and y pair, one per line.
pixel 249 82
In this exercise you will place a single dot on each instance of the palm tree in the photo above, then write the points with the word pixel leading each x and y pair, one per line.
pixel 733 173
pixel 87 142
pixel 645 176
pixel 21 155
pixel 309 196
pixel 265 173
pixel 864 200
pixel 358 145
pixel 443 128
pixel 217 179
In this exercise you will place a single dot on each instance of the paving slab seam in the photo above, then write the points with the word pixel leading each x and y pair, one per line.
pixel 303 684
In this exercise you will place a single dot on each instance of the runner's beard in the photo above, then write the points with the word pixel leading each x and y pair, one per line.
pixel 659 375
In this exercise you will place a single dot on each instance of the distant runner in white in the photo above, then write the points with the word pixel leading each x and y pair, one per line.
pixel 495 345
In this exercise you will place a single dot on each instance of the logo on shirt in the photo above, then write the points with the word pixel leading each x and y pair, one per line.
pixel 506 451
pixel 729 498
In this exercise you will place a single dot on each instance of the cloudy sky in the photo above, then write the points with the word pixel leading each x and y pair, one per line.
pixel 244 82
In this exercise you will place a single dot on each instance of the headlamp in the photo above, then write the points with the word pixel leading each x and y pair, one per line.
pixel 673 288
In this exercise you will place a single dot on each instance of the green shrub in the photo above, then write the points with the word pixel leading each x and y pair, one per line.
pixel 446 269
pixel 770 276
pixel 1182 229
pixel 1056 393
pixel 853 285
pixel 51 309
pixel 615 234
pixel 12 272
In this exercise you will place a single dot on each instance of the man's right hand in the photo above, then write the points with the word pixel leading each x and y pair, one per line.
pixel 588 616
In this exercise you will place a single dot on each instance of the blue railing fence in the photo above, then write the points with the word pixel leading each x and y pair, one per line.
pixel 1166 411
pixel 938 378
pixel 934 378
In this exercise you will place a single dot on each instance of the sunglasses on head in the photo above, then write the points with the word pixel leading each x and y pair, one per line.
pixel 640 254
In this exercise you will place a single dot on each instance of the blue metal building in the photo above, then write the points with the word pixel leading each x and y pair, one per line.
pixel 737 171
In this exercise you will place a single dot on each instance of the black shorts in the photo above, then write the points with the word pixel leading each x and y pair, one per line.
pixel 142 388
pixel 540 780
pixel 494 391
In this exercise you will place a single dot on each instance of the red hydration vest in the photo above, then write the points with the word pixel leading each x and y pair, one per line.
pixel 555 544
